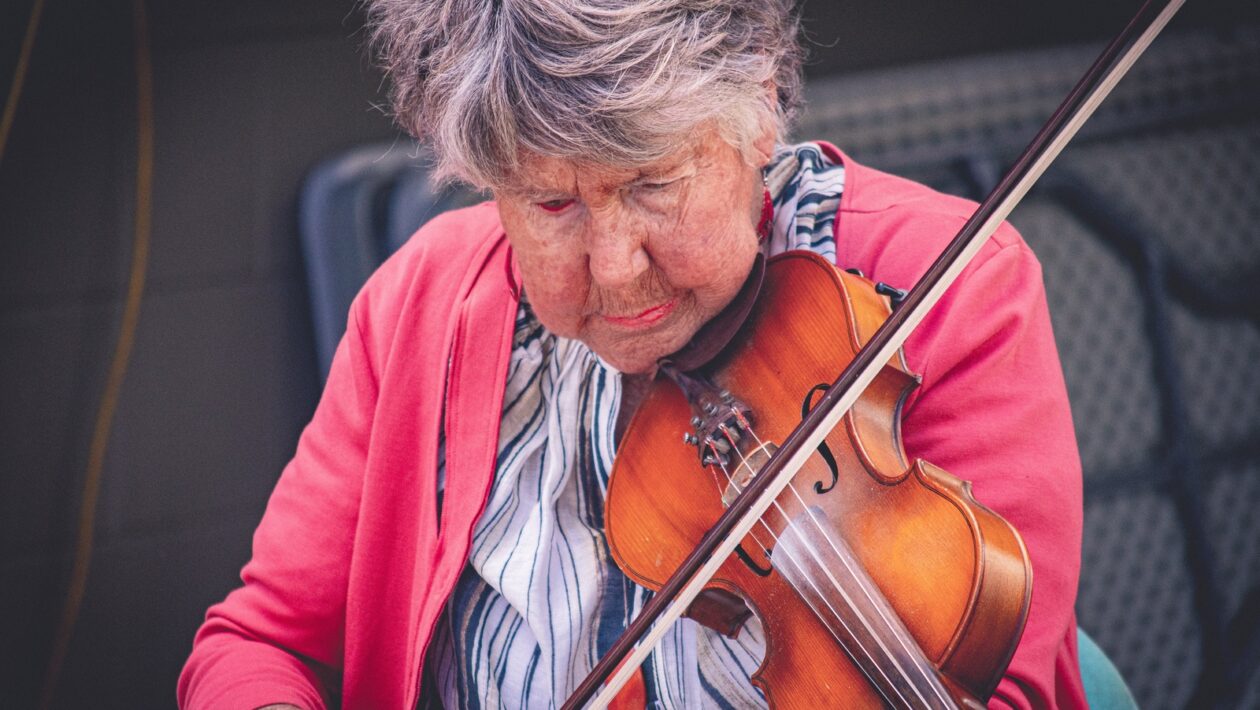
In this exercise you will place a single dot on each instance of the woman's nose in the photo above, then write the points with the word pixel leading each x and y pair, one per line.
pixel 615 252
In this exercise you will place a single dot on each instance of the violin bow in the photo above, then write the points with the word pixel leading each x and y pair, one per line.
pixel 669 604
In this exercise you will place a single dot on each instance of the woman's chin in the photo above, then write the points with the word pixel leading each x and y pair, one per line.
pixel 639 355
pixel 630 364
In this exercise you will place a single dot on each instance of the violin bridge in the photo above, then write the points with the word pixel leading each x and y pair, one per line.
pixel 748 467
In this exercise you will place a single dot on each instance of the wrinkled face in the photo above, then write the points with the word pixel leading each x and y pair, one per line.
pixel 633 261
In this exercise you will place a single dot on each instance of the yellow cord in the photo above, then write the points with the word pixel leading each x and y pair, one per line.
pixel 19 76
pixel 122 354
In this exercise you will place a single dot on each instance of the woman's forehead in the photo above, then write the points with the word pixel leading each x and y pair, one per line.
pixel 540 175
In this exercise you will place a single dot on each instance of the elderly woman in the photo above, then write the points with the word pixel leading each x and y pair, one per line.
pixel 438 536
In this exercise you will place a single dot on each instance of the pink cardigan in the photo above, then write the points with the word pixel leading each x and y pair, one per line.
pixel 352 566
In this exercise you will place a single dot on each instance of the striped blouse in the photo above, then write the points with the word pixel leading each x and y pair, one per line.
pixel 541 598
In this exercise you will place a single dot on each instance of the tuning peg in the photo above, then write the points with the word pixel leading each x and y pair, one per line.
pixel 712 460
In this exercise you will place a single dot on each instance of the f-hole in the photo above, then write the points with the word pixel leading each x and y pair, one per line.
pixel 752 565
pixel 823 451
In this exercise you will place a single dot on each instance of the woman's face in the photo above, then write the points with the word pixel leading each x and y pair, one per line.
pixel 633 261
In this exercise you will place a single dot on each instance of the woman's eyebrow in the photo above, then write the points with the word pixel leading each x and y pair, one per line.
pixel 669 171
pixel 653 177
pixel 537 194
pixel 670 166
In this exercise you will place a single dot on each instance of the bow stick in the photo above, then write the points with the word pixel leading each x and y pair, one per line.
pixel 669 604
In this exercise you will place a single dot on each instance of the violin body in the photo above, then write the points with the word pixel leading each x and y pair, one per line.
pixel 955 575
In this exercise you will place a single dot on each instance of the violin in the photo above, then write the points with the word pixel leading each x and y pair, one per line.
pixel 878 581
pixel 883 579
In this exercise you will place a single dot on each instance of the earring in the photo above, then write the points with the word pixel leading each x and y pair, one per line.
pixel 767 209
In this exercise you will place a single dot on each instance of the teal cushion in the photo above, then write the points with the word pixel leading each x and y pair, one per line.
pixel 1105 688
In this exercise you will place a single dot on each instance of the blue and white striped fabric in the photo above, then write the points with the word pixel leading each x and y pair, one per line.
pixel 805 187
pixel 541 599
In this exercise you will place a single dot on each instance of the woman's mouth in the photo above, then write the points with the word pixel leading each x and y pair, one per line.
pixel 645 319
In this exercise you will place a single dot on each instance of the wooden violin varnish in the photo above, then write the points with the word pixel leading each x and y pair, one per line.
pixel 877 580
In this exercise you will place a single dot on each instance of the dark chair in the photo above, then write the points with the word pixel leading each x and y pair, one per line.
pixel 355 209
pixel 1105 688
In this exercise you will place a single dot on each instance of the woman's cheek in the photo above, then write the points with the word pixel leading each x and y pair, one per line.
pixel 559 292
pixel 714 253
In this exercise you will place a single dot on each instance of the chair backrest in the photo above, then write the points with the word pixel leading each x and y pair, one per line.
pixel 1105 688
pixel 1147 229
pixel 355 209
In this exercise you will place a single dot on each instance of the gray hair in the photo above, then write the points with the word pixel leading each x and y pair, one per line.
pixel 615 82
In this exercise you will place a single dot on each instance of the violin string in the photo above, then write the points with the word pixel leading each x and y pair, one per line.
pixel 788 556
pixel 863 585
pixel 791 558
pixel 908 645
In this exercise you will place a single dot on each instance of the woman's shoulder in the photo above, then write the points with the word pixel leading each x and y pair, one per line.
pixel 893 228
pixel 889 227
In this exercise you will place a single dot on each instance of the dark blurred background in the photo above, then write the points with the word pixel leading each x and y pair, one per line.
pixel 250 96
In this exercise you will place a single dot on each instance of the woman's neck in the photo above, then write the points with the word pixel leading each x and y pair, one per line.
pixel 633 389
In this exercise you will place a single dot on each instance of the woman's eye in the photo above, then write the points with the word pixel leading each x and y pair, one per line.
pixel 656 186
pixel 555 205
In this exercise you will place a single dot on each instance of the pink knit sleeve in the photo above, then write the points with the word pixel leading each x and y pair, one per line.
pixel 279 638
pixel 993 410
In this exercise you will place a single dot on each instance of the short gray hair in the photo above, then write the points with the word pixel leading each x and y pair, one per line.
pixel 616 82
